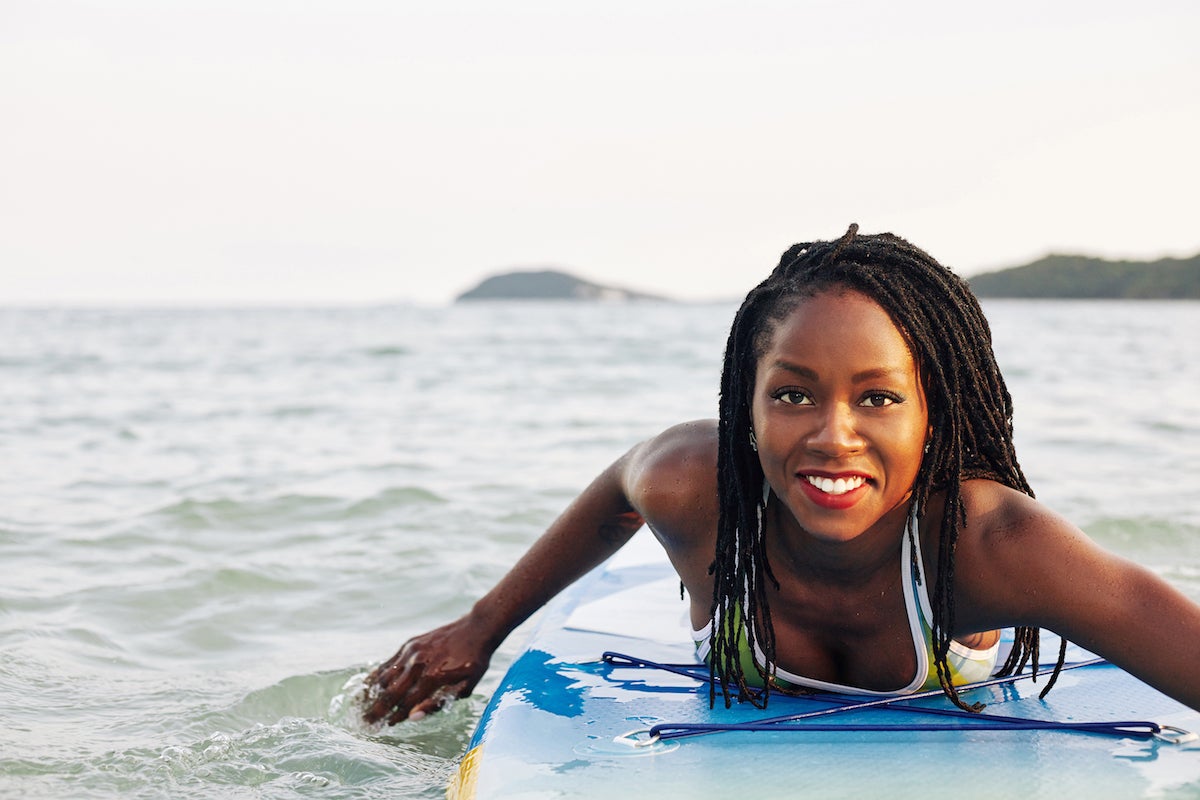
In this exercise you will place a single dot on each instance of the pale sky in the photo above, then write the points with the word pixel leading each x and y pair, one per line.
pixel 278 151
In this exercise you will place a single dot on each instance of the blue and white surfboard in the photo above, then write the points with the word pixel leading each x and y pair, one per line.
pixel 567 723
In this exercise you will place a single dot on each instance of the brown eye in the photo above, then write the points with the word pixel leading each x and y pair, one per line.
pixel 794 397
pixel 879 400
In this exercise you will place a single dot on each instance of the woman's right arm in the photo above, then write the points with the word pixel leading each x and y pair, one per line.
pixel 449 661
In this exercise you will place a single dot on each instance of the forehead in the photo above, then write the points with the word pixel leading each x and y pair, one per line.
pixel 838 326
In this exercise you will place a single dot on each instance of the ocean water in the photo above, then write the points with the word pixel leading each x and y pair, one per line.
pixel 213 522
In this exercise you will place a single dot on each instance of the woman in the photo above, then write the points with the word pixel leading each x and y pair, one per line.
pixel 856 519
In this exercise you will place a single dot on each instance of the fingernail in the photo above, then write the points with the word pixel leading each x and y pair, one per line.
pixel 416 716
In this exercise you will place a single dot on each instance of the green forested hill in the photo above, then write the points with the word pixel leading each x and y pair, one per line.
pixel 1094 278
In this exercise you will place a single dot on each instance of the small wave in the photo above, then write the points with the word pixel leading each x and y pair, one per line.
pixel 228 581
pixel 1168 547
pixel 289 757
pixel 386 351
pixel 393 498
pixel 61 363
pixel 299 411
pixel 300 735
pixel 273 512
pixel 1169 426
pixel 310 696
pixel 74 421
pixel 263 514
pixel 1143 534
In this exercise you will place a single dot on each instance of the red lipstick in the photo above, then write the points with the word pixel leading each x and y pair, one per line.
pixel 834 502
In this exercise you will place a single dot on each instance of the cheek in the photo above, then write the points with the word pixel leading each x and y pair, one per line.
pixel 907 445
pixel 774 442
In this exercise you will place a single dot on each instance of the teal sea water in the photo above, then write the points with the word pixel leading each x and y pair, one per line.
pixel 213 522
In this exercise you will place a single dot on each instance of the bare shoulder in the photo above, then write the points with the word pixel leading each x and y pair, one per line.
pixel 1019 563
pixel 1003 524
pixel 671 480
pixel 1019 558
pixel 999 516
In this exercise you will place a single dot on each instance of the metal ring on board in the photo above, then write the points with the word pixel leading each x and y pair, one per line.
pixel 1172 735
pixel 629 738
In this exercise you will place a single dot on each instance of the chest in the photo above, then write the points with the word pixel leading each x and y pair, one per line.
pixel 865 636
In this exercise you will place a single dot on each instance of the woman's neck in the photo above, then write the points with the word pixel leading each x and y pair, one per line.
pixel 859 561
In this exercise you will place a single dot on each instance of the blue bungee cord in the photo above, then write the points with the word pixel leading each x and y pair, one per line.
pixel 966 721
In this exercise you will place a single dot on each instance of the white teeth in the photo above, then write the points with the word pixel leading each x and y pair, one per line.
pixel 839 486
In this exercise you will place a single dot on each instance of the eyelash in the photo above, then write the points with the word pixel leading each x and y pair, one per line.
pixel 891 397
pixel 779 394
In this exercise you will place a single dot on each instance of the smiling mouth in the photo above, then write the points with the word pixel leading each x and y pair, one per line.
pixel 836 486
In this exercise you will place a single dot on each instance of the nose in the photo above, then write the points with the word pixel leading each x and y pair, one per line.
pixel 836 433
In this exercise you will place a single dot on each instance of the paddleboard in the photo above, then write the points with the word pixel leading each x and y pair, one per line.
pixel 566 723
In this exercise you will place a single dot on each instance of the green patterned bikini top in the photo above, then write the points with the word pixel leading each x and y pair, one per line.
pixel 966 665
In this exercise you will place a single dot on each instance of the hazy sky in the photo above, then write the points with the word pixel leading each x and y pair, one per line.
pixel 278 151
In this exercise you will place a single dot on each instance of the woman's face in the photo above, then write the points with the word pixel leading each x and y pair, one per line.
pixel 839 414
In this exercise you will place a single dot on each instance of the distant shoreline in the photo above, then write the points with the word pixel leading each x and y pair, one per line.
pixel 1065 277
pixel 1055 277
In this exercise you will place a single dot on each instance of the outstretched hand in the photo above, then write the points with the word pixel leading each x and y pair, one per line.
pixel 427 671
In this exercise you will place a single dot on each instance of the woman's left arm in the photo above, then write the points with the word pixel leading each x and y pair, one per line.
pixel 1031 567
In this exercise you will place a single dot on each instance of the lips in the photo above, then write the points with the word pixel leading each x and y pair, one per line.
pixel 834 491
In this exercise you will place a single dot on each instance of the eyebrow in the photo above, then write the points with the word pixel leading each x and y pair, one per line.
pixel 874 373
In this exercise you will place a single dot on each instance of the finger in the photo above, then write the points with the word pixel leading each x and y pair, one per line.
pixel 401 709
pixel 395 662
pixel 377 711
pixel 376 676
pixel 375 679
pixel 394 689
pixel 439 700
pixel 426 694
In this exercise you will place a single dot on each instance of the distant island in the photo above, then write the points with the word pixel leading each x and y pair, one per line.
pixel 1052 277
pixel 548 284
pixel 1080 277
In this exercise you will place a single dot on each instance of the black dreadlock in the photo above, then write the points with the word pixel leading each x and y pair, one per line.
pixel 970 415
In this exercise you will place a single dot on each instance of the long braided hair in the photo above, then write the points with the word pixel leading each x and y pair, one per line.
pixel 970 415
